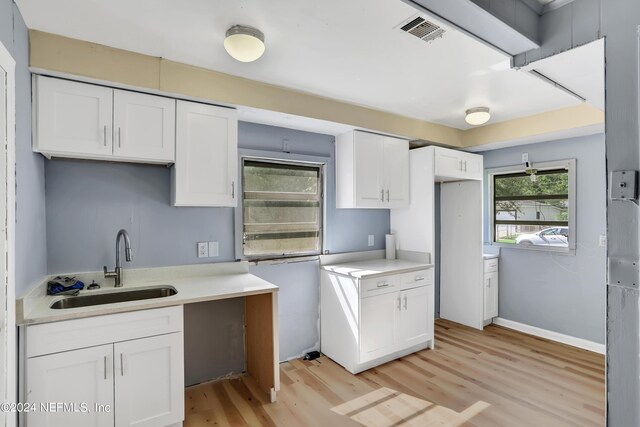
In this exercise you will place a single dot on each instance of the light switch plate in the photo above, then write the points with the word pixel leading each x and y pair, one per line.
pixel 203 249
pixel 370 241
pixel 624 185
pixel 213 249
pixel 603 241
pixel 525 157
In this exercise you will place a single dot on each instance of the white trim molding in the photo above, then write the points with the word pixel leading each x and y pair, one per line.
pixel 551 335
pixel 8 64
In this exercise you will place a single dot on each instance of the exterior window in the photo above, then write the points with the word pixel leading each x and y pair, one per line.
pixel 534 213
pixel 282 208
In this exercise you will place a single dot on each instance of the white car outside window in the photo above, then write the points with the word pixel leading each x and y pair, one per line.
pixel 554 236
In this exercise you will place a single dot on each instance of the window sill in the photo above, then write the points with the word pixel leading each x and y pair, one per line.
pixel 532 248
pixel 282 260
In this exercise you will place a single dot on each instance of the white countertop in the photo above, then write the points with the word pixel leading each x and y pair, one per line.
pixel 376 267
pixel 205 284
pixel 490 256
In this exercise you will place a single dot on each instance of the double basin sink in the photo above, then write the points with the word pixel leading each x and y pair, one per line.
pixel 114 297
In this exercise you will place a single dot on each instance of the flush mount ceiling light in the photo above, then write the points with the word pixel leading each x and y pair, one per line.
pixel 246 44
pixel 477 116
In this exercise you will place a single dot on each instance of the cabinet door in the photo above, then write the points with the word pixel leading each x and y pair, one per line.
pixel 73 118
pixel 378 320
pixel 368 160
pixel 396 172
pixel 144 127
pixel 72 377
pixel 448 163
pixel 206 164
pixel 472 166
pixel 149 381
pixel 490 295
pixel 416 316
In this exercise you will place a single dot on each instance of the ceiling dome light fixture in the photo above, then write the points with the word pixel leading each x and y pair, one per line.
pixel 246 44
pixel 477 116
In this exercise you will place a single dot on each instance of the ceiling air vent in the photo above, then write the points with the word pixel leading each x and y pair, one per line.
pixel 423 29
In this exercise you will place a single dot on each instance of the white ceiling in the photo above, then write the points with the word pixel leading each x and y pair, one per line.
pixel 346 50
pixel 580 70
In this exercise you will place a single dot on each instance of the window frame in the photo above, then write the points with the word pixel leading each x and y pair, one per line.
pixel 285 159
pixel 570 166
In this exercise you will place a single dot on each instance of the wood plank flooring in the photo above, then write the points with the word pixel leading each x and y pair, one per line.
pixel 495 377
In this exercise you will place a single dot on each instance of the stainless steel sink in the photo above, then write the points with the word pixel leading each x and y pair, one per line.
pixel 114 297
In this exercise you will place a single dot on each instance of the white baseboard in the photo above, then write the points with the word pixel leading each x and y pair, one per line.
pixel 550 335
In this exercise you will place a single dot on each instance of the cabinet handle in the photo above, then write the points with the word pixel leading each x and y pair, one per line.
pixel 233 189
pixel 398 303
pixel 105 367
pixel 460 167
pixel 418 279
pixel 121 365
pixel 382 195
pixel 465 165
pixel 387 196
pixel 104 134
pixel 119 138
pixel 405 301
pixel 382 284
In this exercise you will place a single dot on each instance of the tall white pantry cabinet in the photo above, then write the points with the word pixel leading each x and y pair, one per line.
pixel 462 284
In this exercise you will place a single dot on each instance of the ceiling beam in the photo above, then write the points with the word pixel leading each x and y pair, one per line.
pixel 510 26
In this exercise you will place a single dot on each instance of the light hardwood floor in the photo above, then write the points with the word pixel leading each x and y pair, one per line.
pixel 498 377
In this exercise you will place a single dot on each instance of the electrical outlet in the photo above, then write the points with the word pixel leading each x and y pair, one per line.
pixel 371 239
pixel 213 249
pixel 203 249
pixel 602 241
pixel 525 157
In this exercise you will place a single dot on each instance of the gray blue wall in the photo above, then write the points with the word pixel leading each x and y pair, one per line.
pixel 561 293
pixel 87 202
pixel 31 255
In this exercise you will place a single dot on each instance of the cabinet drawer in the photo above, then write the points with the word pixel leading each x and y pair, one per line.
pixel 72 334
pixel 379 286
pixel 416 279
pixel 491 265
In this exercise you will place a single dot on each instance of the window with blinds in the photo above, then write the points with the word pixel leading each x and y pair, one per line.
pixel 282 208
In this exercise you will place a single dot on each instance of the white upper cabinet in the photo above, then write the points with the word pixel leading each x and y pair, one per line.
pixel 144 126
pixel 454 165
pixel 368 154
pixel 396 172
pixel 85 121
pixel 73 119
pixel 372 171
pixel 206 166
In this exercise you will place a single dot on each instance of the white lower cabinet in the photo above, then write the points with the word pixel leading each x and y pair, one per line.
pixel 416 320
pixel 367 322
pixel 378 333
pixel 72 377
pixel 133 382
pixel 490 289
pixel 149 389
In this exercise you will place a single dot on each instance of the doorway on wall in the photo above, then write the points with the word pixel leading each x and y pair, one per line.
pixel 8 346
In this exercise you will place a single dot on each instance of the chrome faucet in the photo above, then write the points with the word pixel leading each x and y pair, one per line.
pixel 117 273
